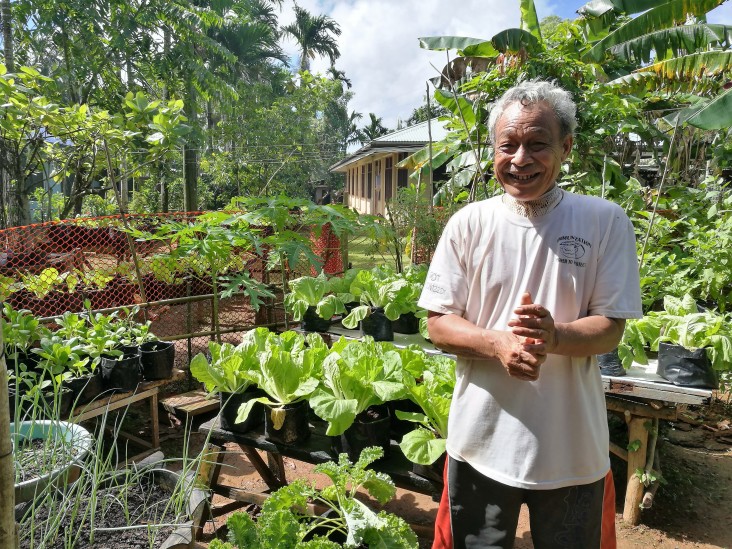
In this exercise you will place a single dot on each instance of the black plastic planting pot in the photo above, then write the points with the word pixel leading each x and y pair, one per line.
pixel 434 471
pixel 85 388
pixel 157 358
pixel 378 326
pixel 610 364
pixel 295 427
pixel 407 323
pixel 230 403
pixel 311 322
pixel 121 373
pixel 370 428
pixel 682 366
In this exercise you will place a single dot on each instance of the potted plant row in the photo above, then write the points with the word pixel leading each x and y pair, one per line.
pixel 693 344
pixel 348 386
pixel 379 301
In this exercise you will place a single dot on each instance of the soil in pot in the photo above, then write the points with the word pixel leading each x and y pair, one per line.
pixel 406 324
pixel 121 373
pixel 120 510
pixel 370 428
pixel 682 366
pixel 157 358
pixel 378 326
pixel 230 403
pixel 311 322
pixel 294 428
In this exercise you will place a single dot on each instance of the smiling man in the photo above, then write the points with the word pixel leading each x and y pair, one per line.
pixel 525 288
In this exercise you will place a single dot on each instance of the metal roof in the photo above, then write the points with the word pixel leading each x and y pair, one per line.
pixel 409 139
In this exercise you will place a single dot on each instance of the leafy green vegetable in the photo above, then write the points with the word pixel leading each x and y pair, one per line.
pixel 356 375
pixel 285 523
pixel 289 366
pixel 308 291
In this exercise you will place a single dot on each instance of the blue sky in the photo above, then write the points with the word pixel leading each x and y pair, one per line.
pixel 379 45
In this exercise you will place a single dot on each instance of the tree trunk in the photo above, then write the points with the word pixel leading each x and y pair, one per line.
pixel 8 537
pixel 8 46
pixel 164 191
pixel 18 203
pixel 190 156
pixel 190 178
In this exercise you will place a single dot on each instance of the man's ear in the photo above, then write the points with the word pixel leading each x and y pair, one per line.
pixel 567 146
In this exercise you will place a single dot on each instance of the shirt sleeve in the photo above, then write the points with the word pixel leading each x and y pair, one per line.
pixel 446 288
pixel 617 286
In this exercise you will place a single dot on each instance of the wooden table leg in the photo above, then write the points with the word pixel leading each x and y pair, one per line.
pixel 155 421
pixel 636 460
pixel 208 475
pixel 277 466
pixel 268 476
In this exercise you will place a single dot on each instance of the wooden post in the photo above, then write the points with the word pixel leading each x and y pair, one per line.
pixel 8 536
pixel 636 460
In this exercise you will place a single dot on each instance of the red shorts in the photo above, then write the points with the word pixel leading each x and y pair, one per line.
pixel 485 513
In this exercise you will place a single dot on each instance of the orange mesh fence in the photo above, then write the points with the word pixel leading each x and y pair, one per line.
pixel 50 268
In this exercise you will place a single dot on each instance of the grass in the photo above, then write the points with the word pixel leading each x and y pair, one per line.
pixel 365 253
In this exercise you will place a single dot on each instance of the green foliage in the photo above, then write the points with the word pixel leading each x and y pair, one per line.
pixel 431 387
pixel 288 371
pixel 308 291
pixel 680 323
pixel 284 523
pixel 356 375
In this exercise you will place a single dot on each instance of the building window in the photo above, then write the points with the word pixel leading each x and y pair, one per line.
pixel 363 180
pixel 388 168
pixel 402 173
pixel 369 179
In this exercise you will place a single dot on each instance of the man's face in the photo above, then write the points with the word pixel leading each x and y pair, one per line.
pixel 529 150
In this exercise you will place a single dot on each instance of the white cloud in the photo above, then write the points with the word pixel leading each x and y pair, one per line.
pixel 380 50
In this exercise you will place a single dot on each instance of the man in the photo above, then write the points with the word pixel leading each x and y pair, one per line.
pixel 525 288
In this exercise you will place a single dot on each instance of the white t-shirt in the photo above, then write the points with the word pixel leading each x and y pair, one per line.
pixel 577 260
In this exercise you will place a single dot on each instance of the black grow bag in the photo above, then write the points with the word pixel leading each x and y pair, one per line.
pixel 378 326
pixel 121 373
pixel 407 323
pixel 85 388
pixel 370 428
pixel 294 429
pixel 230 403
pixel 685 367
pixel 311 322
pixel 157 358
pixel 610 364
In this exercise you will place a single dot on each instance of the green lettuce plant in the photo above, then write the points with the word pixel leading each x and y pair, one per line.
pixel 377 293
pixel 285 522
pixel 356 375
pixel 308 291
pixel 288 371
pixel 680 323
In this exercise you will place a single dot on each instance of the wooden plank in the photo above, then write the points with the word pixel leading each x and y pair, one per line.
pixel 192 403
pixel 640 409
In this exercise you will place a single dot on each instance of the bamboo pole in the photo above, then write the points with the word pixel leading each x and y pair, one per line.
pixel 8 535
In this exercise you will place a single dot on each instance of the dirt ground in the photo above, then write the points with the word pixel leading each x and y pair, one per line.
pixel 690 510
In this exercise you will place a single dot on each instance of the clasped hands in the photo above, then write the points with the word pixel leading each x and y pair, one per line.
pixel 533 334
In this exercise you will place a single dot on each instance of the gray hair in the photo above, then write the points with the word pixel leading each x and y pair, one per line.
pixel 534 91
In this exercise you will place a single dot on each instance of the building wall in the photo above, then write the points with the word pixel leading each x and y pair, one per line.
pixel 374 180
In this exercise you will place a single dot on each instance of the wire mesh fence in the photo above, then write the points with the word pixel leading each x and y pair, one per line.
pixel 54 267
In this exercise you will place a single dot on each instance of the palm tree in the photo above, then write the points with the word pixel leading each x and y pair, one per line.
pixel 372 130
pixel 336 74
pixel 315 36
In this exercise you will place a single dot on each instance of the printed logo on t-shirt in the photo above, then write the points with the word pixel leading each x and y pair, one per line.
pixel 572 248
